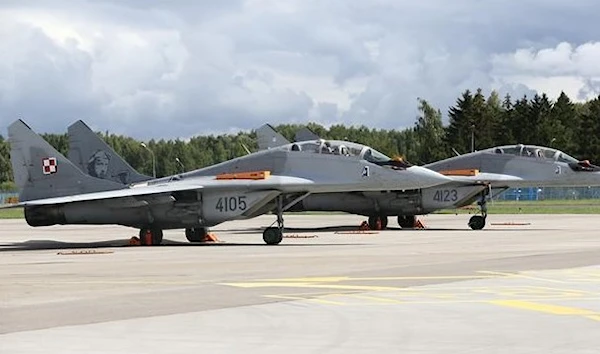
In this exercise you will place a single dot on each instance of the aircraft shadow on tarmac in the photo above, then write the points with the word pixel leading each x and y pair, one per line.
pixel 36 245
pixel 354 229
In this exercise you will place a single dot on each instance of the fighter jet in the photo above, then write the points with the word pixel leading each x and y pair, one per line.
pixel 54 191
pixel 475 177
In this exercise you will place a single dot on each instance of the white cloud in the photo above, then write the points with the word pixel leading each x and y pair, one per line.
pixel 168 69
pixel 564 67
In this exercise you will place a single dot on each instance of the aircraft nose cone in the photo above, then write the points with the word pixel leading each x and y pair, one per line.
pixel 424 177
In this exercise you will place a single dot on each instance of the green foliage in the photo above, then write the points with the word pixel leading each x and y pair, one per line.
pixel 430 134
pixel 474 119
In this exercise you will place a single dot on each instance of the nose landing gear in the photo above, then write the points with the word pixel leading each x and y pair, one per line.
pixel 274 235
pixel 477 222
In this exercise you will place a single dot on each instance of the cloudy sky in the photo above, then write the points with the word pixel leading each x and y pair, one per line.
pixel 170 69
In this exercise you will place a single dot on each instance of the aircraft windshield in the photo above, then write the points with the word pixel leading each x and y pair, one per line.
pixel 534 151
pixel 337 147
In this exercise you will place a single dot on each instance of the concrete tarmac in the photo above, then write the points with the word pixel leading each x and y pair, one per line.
pixel 524 284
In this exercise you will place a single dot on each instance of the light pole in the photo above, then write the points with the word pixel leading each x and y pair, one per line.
pixel 153 159
pixel 472 137
pixel 180 164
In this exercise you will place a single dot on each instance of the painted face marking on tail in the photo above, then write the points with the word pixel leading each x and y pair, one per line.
pixel 49 165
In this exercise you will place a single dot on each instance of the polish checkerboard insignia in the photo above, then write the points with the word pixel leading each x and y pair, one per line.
pixel 49 165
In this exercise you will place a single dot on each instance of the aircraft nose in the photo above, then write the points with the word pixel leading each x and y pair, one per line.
pixel 424 177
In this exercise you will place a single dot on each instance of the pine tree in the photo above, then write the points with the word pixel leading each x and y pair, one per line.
pixel 459 129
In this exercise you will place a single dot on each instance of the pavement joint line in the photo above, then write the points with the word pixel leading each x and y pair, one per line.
pixel 311 286
pixel 375 298
pixel 317 300
pixel 340 279
pixel 436 300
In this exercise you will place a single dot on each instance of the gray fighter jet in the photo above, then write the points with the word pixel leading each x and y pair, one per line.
pixel 475 177
pixel 54 191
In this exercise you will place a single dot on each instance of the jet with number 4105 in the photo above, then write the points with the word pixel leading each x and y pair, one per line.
pixel 53 190
pixel 474 177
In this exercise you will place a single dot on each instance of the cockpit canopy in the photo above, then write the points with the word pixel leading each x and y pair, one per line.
pixel 533 151
pixel 346 148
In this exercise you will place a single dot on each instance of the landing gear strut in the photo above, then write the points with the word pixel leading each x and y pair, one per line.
pixel 477 222
pixel 151 236
pixel 378 222
pixel 196 234
pixel 274 235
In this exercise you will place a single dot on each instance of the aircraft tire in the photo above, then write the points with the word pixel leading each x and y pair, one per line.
pixel 378 222
pixel 196 234
pixel 384 221
pixel 151 237
pixel 477 222
pixel 407 221
pixel 272 236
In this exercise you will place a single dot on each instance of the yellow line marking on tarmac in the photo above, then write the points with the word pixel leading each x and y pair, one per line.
pixel 570 292
pixel 520 275
pixel 545 308
pixel 594 317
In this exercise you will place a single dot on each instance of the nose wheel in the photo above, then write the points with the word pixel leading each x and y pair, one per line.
pixel 477 222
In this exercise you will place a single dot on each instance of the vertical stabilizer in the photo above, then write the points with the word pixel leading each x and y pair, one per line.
pixel 96 158
pixel 305 134
pixel 269 138
pixel 42 172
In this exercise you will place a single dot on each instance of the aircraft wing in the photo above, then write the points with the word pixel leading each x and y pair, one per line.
pixel 283 183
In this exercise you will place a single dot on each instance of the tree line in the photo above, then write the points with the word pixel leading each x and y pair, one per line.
pixel 475 122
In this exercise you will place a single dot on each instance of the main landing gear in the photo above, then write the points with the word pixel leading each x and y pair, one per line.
pixel 477 222
pixel 151 236
pixel 274 235
pixel 196 234
pixel 378 222
pixel 407 221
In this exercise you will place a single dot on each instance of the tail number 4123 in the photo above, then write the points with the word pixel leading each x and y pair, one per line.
pixel 225 204
pixel 445 195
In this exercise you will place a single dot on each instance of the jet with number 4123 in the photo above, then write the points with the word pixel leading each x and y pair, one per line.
pixel 54 190
pixel 474 177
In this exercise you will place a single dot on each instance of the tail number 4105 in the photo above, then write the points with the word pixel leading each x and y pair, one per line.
pixel 226 204
pixel 445 195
